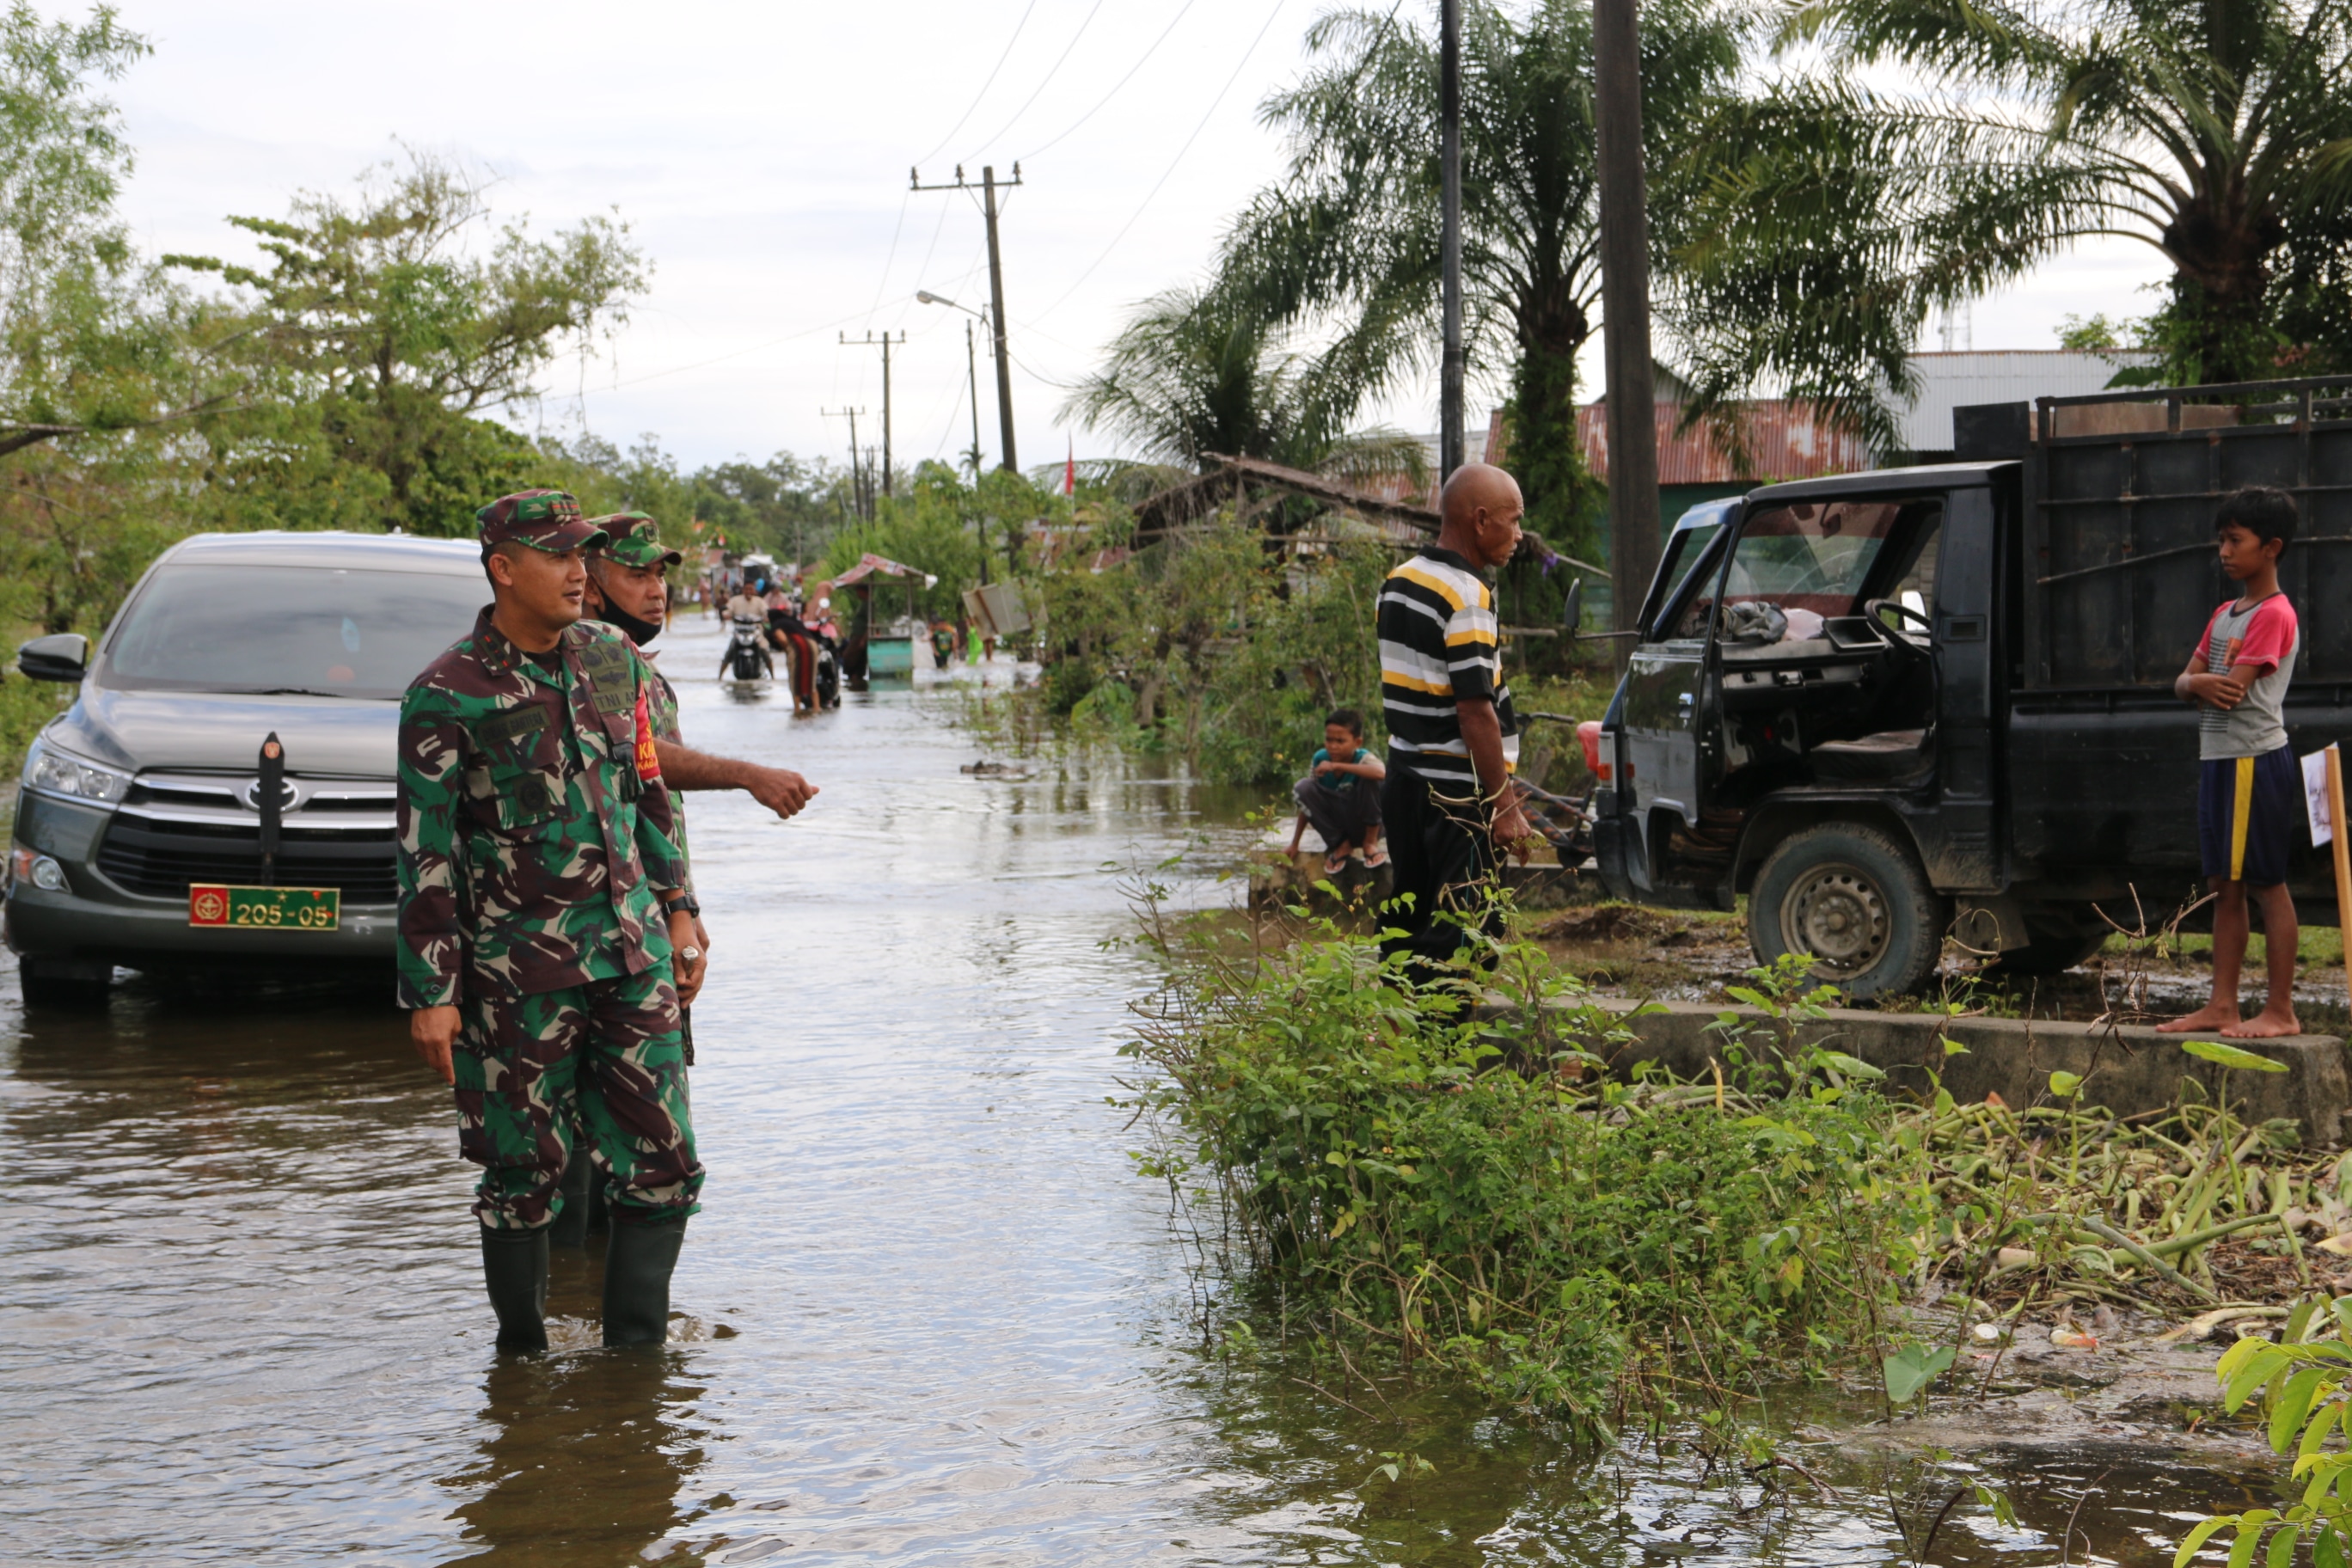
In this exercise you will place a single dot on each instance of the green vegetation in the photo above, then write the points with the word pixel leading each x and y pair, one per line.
pixel 1833 216
pixel 1477 1197
pixel 365 375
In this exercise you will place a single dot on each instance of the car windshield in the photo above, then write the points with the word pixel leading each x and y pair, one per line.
pixel 1812 555
pixel 323 630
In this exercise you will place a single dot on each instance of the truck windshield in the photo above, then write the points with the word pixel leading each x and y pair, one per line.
pixel 325 631
pixel 1812 555
pixel 1685 548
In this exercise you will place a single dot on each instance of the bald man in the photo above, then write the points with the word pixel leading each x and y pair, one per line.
pixel 1453 739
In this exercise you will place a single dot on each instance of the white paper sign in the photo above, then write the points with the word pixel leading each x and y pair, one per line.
pixel 2314 795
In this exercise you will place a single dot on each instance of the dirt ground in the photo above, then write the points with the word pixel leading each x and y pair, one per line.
pixel 1681 955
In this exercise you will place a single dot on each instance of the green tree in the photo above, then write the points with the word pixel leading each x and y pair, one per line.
pixel 383 342
pixel 1832 216
pixel 1350 235
pixel 1194 373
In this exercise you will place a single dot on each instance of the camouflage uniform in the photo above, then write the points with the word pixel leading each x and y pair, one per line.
pixel 536 848
pixel 630 538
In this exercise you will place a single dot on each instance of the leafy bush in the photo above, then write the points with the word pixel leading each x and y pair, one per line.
pixel 1463 1188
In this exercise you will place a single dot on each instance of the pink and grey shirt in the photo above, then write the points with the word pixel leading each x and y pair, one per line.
pixel 2265 635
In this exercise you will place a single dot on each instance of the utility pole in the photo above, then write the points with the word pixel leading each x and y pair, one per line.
pixel 1632 427
pixel 868 341
pixel 1449 144
pixel 971 371
pixel 856 469
pixel 988 188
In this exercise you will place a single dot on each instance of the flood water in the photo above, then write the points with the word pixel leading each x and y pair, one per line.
pixel 931 1314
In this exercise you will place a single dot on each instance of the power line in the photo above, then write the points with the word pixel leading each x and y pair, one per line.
pixel 1122 82
pixel 1170 170
pixel 1064 55
pixel 836 322
pixel 984 86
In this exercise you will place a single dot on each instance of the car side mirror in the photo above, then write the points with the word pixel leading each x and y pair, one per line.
pixel 61 656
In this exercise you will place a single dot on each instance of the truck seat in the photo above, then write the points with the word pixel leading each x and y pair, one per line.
pixel 1888 757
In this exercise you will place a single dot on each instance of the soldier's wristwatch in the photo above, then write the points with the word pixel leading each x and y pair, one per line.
pixel 685 902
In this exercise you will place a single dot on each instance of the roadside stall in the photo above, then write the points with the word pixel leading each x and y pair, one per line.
pixel 887 647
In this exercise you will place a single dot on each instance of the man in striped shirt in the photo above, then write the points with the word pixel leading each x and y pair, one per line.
pixel 1453 739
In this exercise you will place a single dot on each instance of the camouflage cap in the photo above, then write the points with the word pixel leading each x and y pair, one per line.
pixel 544 519
pixel 633 539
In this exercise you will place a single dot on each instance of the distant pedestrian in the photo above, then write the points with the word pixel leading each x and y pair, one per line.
pixel 1453 739
pixel 545 927
pixel 2250 803
pixel 1340 796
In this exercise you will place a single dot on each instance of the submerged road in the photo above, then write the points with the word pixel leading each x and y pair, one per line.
pixel 933 1314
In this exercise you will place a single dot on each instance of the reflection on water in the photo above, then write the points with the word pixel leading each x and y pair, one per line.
pixel 929 1314
pixel 582 1459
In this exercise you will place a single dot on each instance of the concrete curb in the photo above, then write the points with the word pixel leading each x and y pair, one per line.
pixel 2128 1070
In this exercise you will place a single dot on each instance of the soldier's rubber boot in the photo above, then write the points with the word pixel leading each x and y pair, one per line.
pixel 514 1264
pixel 637 1266
pixel 570 1227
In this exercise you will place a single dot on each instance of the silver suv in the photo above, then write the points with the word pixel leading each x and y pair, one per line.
pixel 143 836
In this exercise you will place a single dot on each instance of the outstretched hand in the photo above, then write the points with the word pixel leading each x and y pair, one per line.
pixel 780 790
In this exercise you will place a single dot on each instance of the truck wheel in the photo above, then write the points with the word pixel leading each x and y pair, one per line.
pixel 2058 937
pixel 1858 900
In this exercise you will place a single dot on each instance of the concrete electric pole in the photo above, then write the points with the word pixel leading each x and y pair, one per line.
pixel 856 469
pixel 868 341
pixel 988 188
pixel 1633 429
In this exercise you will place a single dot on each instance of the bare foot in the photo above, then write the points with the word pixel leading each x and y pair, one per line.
pixel 2267 1025
pixel 2220 1016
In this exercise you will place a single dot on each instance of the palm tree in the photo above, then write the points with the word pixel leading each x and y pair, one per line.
pixel 1349 236
pixel 1833 216
pixel 1191 374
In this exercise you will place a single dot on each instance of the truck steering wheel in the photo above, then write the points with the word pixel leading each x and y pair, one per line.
pixel 1903 647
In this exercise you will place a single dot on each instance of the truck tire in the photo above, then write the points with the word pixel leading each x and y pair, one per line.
pixel 1857 900
pixel 2058 937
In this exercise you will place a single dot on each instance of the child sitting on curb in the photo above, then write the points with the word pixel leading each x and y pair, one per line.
pixel 1340 796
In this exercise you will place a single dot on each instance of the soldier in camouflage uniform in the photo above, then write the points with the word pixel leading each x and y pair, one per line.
pixel 540 948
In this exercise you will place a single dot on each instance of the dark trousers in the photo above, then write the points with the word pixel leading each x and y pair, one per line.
pixel 1443 852
pixel 1339 815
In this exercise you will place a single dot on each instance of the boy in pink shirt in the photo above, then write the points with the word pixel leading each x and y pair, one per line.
pixel 2249 793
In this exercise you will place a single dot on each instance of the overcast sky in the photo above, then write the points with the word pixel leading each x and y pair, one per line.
pixel 760 152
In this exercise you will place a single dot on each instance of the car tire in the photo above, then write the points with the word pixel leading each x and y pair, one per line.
pixel 2058 937
pixel 1854 898
pixel 55 982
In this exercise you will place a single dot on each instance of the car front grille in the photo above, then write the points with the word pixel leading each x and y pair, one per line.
pixel 160 856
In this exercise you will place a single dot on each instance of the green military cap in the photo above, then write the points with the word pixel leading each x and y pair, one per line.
pixel 544 519
pixel 633 539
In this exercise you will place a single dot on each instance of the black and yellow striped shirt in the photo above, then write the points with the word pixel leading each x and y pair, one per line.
pixel 1438 646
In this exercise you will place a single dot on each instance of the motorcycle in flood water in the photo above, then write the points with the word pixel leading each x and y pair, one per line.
pixel 747 658
pixel 828 673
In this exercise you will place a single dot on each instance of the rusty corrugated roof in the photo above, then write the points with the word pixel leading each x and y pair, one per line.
pixel 1785 441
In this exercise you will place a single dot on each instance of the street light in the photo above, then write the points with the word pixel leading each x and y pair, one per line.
pixel 971 368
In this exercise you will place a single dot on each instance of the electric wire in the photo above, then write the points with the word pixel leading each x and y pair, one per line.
pixel 984 86
pixel 1273 12
pixel 1097 109
pixel 1048 78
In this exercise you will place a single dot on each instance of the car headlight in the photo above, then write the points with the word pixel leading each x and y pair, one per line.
pixel 61 773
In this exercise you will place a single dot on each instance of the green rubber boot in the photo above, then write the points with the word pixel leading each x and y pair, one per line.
pixel 514 1264
pixel 637 1265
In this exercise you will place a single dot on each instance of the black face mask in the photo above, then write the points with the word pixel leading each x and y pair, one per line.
pixel 640 632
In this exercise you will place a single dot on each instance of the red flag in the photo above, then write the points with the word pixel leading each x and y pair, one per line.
pixel 1070 471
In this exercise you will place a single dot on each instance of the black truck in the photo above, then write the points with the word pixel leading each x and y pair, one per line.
pixel 1933 701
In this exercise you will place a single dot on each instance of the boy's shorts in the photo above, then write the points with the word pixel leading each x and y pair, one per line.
pixel 2248 811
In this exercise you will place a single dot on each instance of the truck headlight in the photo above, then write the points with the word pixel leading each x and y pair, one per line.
pixel 55 771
